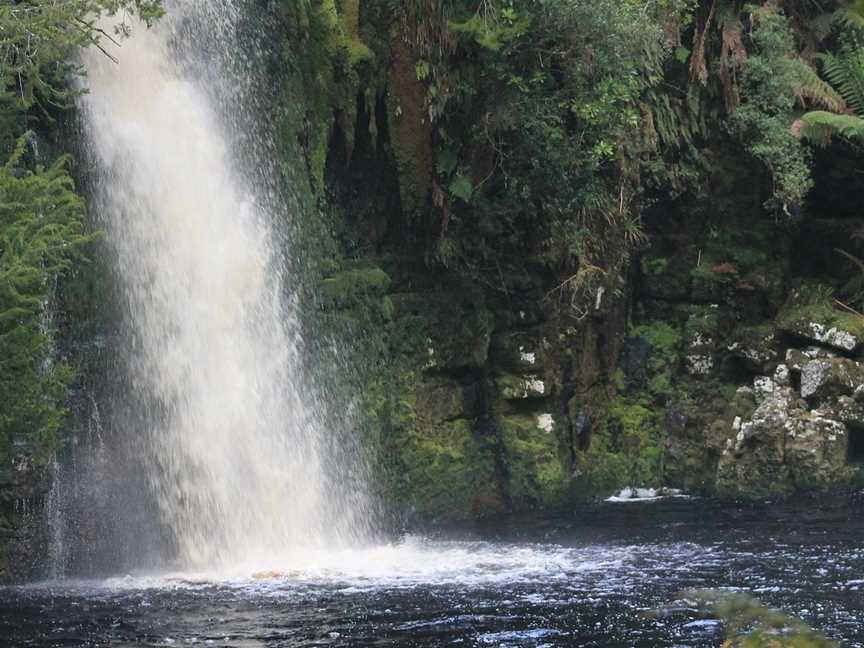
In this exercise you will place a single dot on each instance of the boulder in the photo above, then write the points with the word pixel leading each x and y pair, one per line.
pixel 754 459
pixel 763 388
pixel 833 337
pixel 816 447
pixel 439 399
pixel 827 378
pixel 782 376
pixel 844 409
pixel 808 317
pixel 797 358
pixel 754 347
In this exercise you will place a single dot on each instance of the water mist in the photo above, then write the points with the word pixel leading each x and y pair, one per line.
pixel 232 438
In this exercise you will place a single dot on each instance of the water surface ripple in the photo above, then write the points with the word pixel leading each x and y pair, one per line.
pixel 586 578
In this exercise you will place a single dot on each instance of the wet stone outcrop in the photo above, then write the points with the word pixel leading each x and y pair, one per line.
pixel 804 431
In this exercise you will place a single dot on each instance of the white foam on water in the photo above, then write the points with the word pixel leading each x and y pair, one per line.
pixel 409 563
pixel 632 494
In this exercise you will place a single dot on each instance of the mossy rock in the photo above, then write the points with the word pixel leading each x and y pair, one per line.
pixel 521 387
pixel 651 357
pixel 351 287
pixel 754 347
pixel 701 340
pixel 713 281
pixel 441 331
pixel 438 400
pixel 410 128
pixel 626 448
pixel 665 278
pixel 815 451
pixel 810 315
pixel 829 378
pixel 445 470
pixel 520 351
pixel 536 472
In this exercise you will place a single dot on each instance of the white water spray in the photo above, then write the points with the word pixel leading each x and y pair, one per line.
pixel 234 444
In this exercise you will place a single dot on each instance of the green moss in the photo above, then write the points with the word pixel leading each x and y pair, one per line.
pixel 512 387
pixel 703 321
pixel 410 129
pixel 710 271
pixel 536 472
pixel 660 335
pixel 348 287
pixel 665 341
pixel 349 18
pixel 438 400
pixel 654 266
pixel 627 447
pixel 812 303
pixel 436 472
pixel 442 330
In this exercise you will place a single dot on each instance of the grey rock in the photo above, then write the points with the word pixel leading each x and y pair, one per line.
pixel 829 378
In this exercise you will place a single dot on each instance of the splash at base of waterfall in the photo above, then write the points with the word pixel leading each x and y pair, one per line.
pixel 591 577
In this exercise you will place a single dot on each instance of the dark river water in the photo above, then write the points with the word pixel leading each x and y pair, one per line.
pixel 592 577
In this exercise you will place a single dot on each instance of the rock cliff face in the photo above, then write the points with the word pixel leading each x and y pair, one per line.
pixel 717 369
pixel 714 358
pixel 718 363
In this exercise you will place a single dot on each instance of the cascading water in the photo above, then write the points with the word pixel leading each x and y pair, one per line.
pixel 232 439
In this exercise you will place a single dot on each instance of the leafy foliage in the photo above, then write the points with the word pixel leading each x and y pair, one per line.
pixel 41 233
pixel 41 226
pixel 535 131
pixel 39 37
pixel 750 624
pixel 771 79
pixel 845 71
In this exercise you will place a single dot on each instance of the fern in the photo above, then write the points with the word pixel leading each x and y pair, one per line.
pixel 818 92
pixel 820 126
pixel 851 15
pixel 845 71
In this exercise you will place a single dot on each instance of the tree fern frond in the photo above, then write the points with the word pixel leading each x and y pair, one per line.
pixel 819 126
pixel 845 71
pixel 818 92
pixel 852 14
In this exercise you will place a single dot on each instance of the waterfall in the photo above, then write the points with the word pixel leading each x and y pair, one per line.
pixel 231 436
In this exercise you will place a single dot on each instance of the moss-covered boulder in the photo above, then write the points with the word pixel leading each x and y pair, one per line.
pixel 809 315
pixel 753 462
pixel 439 399
pixel 440 468
pixel 815 450
pixel 828 378
pixel 785 446
pixel 795 359
pixel 754 347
